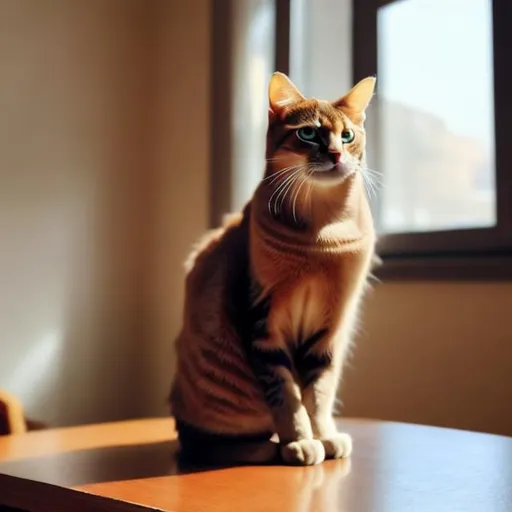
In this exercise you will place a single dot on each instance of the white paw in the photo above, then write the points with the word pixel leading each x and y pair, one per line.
pixel 337 446
pixel 305 452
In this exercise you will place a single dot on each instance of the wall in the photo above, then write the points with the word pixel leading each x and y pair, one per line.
pixel 84 88
pixel 182 161
pixel 435 353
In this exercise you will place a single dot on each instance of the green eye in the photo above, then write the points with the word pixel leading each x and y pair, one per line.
pixel 307 133
pixel 347 136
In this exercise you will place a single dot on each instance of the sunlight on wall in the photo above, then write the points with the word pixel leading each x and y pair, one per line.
pixel 37 370
pixel 73 171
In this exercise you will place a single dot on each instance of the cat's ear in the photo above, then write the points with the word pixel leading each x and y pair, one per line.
pixel 282 92
pixel 358 98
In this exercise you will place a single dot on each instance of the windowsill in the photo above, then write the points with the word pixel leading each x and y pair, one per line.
pixel 496 266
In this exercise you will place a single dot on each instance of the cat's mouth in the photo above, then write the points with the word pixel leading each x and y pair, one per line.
pixel 330 171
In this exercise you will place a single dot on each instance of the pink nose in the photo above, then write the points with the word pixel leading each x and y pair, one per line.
pixel 335 156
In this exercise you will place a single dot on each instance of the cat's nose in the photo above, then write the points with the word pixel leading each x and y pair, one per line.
pixel 335 156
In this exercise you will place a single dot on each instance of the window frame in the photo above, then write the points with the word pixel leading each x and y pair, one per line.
pixel 484 253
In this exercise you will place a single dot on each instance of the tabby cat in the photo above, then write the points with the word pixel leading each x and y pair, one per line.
pixel 272 296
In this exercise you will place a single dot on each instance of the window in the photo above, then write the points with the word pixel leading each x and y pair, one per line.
pixel 439 126
pixel 243 57
pixel 436 115
pixel 440 133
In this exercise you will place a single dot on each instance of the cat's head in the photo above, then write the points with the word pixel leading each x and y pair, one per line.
pixel 313 146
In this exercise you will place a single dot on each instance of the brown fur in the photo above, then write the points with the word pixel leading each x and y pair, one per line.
pixel 272 296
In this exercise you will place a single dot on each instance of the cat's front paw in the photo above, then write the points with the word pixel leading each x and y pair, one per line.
pixel 337 446
pixel 305 452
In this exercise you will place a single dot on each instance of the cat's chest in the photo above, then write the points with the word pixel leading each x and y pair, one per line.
pixel 305 308
pixel 311 294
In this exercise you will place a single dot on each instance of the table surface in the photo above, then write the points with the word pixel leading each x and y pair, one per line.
pixel 131 466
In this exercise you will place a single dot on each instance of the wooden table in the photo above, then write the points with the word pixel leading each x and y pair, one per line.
pixel 131 466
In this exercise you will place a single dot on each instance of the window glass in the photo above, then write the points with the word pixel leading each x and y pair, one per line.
pixel 435 116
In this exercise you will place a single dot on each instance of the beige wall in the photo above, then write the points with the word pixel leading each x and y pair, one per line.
pixel 182 159
pixel 435 353
pixel 87 192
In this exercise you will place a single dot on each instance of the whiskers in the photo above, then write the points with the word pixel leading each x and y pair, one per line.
pixel 288 182
pixel 275 176
pixel 373 181
pixel 310 170
pixel 295 177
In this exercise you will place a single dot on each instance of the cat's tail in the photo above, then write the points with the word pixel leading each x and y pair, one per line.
pixel 201 448
pixel 240 453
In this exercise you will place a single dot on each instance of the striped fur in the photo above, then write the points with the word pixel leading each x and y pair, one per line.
pixel 272 296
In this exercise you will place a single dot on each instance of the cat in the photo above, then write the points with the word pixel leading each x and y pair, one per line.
pixel 272 295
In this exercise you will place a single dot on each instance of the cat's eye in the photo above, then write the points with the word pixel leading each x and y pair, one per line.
pixel 307 133
pixel 347 136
